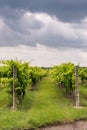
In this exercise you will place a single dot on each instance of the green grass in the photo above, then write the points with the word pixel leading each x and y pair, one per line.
pixel 83 95
pixel 48 104
pixel 4 98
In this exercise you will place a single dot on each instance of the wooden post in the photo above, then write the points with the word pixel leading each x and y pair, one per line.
pixel 14 86
pixel 76 87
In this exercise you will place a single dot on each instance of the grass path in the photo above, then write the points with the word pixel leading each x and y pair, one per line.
pixel 48 104
pixel 51 106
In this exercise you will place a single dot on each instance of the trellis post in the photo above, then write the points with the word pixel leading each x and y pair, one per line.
pixel 14 86
pixel 77 102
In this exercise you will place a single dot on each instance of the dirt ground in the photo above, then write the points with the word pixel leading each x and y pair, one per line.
pixel 80 125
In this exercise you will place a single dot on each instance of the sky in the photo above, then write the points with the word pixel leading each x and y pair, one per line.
pixel 44 32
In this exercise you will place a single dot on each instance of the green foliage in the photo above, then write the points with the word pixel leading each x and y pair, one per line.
pixel 35 75
pixel 3 82
pixel 64 76
pixel 83 74
pixel 25 75
pixel 22 77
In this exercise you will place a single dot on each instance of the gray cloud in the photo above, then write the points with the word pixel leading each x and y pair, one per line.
pixel 10 13
pixel 32 28
pixel 66 10
pixel 50 22
pixel 23 24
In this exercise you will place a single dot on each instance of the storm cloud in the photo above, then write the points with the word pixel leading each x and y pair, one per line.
pixel 66 10
pixel 25 27
pixel 55 23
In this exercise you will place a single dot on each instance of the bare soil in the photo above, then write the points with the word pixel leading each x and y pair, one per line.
pixel 79 125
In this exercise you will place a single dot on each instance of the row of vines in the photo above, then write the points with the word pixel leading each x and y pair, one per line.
pixel 24 76
pixel 65 77
pixel 16 75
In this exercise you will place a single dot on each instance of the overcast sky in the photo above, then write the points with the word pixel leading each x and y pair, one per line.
pixel 44 32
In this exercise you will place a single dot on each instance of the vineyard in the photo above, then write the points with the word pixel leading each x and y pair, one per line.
pixel 16 76
pixel 31 97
